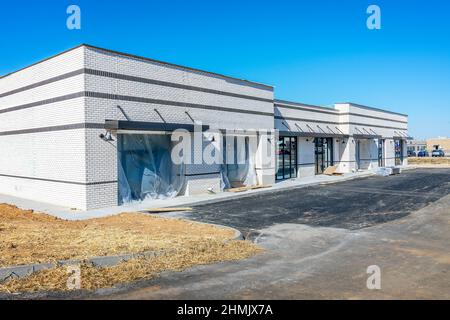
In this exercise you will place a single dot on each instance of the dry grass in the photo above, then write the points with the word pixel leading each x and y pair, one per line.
pixel 28 237
pixel 93 278
pixel 429 161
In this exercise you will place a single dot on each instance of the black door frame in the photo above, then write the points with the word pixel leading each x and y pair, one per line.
pixel 398 144
pixel 290 150
pixel 381 157
pixel 358 154
pixel 325 154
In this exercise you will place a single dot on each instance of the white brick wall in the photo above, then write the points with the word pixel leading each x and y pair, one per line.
pixel 351 120
pixel 75 168
pixel 56 66
pixel 102 157
pixel 40 156
pixel 105 61
pixel 55 155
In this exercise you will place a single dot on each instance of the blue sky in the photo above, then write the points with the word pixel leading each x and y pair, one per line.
pixel 317 52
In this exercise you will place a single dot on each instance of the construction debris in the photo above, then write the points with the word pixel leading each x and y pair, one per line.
pixel 163 210
pixel 387 171
pixel 243 189
pixel 332 171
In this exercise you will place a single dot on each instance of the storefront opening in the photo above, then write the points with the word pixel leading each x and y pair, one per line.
pixel 324 154
pixel 286 158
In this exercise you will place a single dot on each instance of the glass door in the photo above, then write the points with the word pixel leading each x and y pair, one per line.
pixel 319 155
pixel 323 153
pixel 286 158
pixel 398 152
pixel 381 158
pixel 358 154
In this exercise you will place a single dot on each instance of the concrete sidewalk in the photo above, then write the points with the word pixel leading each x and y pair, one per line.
pixel 68 214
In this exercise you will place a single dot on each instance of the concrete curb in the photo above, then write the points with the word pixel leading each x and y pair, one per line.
pixel 18 272
pixel 237 234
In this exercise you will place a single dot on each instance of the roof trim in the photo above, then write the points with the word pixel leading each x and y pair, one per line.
pixel 40 61
pixel 372 108
pixel 281 102
pixel 140 58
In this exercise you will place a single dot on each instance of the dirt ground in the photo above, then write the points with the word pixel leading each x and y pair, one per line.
pixel 27 237
pixel 429 161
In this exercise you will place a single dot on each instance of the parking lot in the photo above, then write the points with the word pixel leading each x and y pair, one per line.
pixel 350 205
pixel 318 243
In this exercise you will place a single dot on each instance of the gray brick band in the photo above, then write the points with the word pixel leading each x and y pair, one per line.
pixel 132 99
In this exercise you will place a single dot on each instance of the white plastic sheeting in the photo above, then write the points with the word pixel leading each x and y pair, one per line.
pixel 387 171
pixel 146 170
pixel 239 162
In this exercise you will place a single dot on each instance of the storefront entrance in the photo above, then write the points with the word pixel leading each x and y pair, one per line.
pixel 398 152
pixel 323 153
pixel 381 157
pixel 286 158
pixel 239 171
pixel 145 168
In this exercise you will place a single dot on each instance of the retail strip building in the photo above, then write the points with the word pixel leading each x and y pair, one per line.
pixel 90 128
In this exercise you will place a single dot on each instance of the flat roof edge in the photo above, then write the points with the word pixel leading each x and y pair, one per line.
pixel 176 65
pixel 40 61
pixel 278 101
pixel 373 108
pixel 271 88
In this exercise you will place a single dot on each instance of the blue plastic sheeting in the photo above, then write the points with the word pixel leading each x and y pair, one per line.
pixel 239 158
pixel 146 170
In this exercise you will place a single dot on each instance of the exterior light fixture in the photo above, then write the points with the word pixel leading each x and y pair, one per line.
pixel 106 137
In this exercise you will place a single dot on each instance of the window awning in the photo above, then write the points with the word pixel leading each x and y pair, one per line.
pixel 310 132
pixel 400 135
pixel 117 125
pixel 402 138
pixel 364 133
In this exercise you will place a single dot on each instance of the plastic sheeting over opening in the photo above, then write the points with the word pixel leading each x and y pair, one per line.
pixel 146 170
pixel 239 162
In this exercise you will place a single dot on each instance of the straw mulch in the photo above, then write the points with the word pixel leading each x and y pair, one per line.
pixel 28 237
pixel 140 269
pixel 429 161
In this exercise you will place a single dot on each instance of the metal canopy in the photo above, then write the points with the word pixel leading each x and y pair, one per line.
pixel 366 136
pixel 311 134
pixel 402 138
pixel 400 135
pixel 149 126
